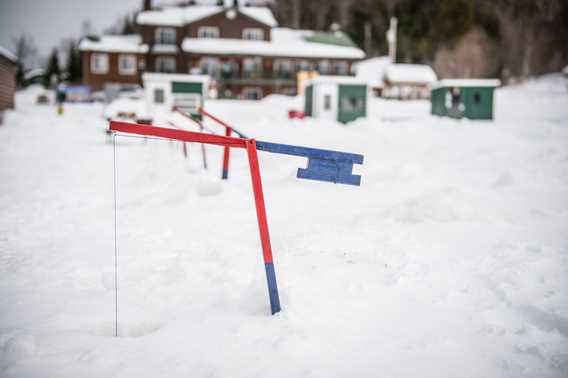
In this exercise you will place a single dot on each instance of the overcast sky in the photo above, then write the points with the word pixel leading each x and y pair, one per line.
pixel 50 21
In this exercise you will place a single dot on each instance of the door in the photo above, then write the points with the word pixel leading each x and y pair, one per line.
pixel 188 97
pixel 326 101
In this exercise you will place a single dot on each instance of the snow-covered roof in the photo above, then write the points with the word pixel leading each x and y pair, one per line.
pixel 114 43
pixel 7 54
pixel 156 76
pixel 33 73
pixel 372 70
pixel 467 83
pixel 409 73
pixel 325 79
pixel 285 43
pixel 179 16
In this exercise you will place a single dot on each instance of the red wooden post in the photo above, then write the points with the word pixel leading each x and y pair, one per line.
pixel 263 226
pixel 226 154
pixel 227 142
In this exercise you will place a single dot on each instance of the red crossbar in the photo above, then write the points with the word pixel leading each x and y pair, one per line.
pixel 220 122
pixel 185 136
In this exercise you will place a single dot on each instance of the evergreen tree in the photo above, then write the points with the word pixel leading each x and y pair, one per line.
pixel 73 64
pixel 128 26
pixel 52 71
pixel 26 52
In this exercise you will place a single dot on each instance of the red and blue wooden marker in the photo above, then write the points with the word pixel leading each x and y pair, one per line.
pixel 323 165
pixel 228 131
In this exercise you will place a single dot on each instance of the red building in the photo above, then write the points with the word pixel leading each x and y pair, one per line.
pixel 8 68
pixel 241 48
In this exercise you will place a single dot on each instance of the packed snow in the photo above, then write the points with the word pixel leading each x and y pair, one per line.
pixel 179 16
pixel 372 70
pixel 409 73
pixel 4 52
pixel 284 42
pixel 450 260
pixel 467 83
pixel 114 43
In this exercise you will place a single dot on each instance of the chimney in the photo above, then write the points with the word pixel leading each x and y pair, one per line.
pixel 147 5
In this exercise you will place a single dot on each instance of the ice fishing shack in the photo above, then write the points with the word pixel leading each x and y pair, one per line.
pixel 464 98
pixel 339 98
pixel 164 91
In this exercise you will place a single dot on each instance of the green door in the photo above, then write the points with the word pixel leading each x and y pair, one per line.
pixel 188 97
pixel 438 101
pixel 352 102
pixel 479 102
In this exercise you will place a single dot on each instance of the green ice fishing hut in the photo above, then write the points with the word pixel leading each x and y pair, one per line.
pixel 164 92
pixel 464 98
pixel 339 98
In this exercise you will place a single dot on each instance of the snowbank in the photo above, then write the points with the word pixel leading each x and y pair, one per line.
pixel 449 260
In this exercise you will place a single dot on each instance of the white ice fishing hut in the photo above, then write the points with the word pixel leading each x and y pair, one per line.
pixel 339 98
pixel 164 92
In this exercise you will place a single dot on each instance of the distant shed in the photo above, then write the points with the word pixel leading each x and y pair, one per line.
pixel 408 81
pixel 340 98
pixel 8 68
pixel 164 91
pixel 373 71
pixel 464 98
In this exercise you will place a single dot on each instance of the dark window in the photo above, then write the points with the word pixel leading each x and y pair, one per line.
pixel 456 97
pixel 158 96
pixel 327 102
pixel 476 98
pixel 352 104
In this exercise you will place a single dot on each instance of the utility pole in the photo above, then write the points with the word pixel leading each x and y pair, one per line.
pixel 391 39
pixel 368 38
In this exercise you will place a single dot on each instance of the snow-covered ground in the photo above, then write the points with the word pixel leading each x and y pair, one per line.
pixel 450 260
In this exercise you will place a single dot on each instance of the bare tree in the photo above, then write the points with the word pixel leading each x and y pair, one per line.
pixel 25 50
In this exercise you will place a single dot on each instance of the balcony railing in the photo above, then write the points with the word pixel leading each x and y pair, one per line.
pixel 256 77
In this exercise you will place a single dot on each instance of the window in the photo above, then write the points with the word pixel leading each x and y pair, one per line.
pixel 456 97
pixel 159 96
pixel 99 63
pixel 327 102
pixel 323 66
pixel 283 68
pixel 252 67
pixel 127 64
pixel 303 65
pixel 252 93
pixel 341 67
pixel 476 98
pixel 352 104
pixel 210 66
pixel 230 69
pixel 208 32
pixel 255 34
pixel 166 36
pixel 166 64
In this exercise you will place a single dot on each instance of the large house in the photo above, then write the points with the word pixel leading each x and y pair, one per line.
pixel 240 47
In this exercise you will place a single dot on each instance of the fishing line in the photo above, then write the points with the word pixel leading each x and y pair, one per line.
pixel 115 241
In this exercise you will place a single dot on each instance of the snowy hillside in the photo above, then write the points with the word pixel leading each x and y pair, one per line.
pixel 450 260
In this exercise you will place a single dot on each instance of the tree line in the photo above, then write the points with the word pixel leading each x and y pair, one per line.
pixel 511 38
pixel 459 38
